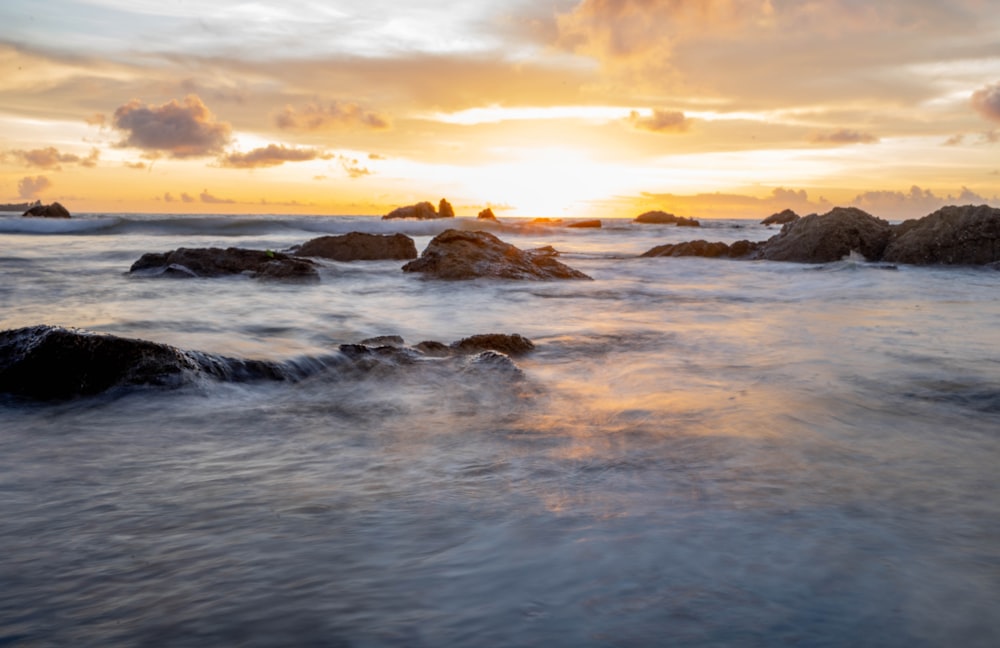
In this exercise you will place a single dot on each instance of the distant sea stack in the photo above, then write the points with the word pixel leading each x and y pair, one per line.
pixel 487 214
pixel 422 211
pixel 780 218
pixel 55 210
pixel 665 218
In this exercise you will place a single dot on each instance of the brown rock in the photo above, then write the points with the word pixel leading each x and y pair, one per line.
pixel 780 218
pixel 55 210
pixel 967 235
pixel 456 254
pixel 420 211
pixel 512 345
pixel 739 249
pixel 216 262
pixel 829 237
pixel 358 246
pixel 665 218
pixel 487 214
pixel 587 224
pixel 445 210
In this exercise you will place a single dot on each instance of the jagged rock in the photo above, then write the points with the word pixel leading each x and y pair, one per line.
pixel 456 254
pixel 780 218
pixel 512 345
pixel 487 214
pixel 966 235
pixel 829 237
pixel 587 224
pixel 421 211
pixel 701 248
pixel 358 246
pixel 55 210
pixel 216 262
pixel 445 209
pixel 658 217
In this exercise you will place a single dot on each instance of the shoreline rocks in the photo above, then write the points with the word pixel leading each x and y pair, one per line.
pixel 55 210
pixel 359 246
pixel 701 248
pixel 216 262
pixel 829 237
pixel 968 235
pixel 422 211
pixel 461 255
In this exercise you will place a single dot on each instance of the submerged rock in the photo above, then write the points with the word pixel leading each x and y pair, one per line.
pixel 701 248
pixel 967 235
pixel 595 224
pixel 512 345
pixel 658 217
pixel 55 210
pixel 216 262
pixel 358 246
pixel 780 218
pixel 420 211
pixel 456 254
pixel 829 237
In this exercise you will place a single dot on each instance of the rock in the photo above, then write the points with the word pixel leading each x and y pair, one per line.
pixel 384 340
pixel 456 254
pixel 546 221
pixel 216 262
pixel 53 363
pixel 55 210
pixel 966 235
pixel 738 250
pixel 829 237
pixel 780 218
pixel 595 224
pixel 487 214
pixel 358 246
pixel 511 345
pixel 665 218
pixel 445 209
pixel 545 250
pixel 420 211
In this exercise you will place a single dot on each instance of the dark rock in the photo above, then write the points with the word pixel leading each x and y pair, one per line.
pixel 545 250
pixel 456 254
pixel 55 210
pixel 780 218
pixel 216 262
pixel 665 218
pixel 384 340
pixel 445 209
pixel 421 211
pixel 595 224
pixel 700 248
pixel 358 246
pixel 829 237
pixel 492 364
pixel 512 345
pixel 487 214
pixel 967 235
pixel 433 349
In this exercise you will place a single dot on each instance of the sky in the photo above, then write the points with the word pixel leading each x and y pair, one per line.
pixel 565 108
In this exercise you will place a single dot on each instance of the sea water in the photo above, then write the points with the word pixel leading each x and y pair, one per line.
pixel 703 452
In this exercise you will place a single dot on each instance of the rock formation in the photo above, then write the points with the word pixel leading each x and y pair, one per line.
pixel 358 246
pixel 665 218
pixel 421 211
pixel 445 209
pixel 952 235
pixel 456 254
pixel 738 250
pixel 780 218
pixel 55 210
pixel 587 224
pixel 829 237
pixel 487 214
pixel 216 262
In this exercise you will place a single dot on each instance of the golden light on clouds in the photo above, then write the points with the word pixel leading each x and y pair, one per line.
pixel 590 108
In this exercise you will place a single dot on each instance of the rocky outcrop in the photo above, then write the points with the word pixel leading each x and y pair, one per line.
pixel 665 218
pixel 55 210
pixel 422 211
pixel 700 248
pixel 829 237
pixel 967 235
pixel 512 345
pixel 216 262
pixel 456 254
pixel 780 218
pixel 445 210
pixel 358 246
pixel 487 214
pixel 587 224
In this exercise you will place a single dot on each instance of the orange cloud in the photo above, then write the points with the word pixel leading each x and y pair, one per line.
pixel 30 187
pixel 987 101
pixel 50 158
pixel 844 136
pixel 180 130
pixel 661 121
pixel 270 156
pixel 213 200
pixel 337 114
pixel 353 167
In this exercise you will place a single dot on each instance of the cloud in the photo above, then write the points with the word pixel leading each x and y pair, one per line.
pixel 138 166
pixel 353 167
pixel 844 136
pixel 186 197
pixel 30 187
pixel 213 200
pixel 986 101
pixel 660 121
pixel 731 205
pixel 336 114
pixel 269 156
pixel 180 130
pixel 915 203
pixel 51 159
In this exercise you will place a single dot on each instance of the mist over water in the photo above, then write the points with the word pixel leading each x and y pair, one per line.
pixel 703 452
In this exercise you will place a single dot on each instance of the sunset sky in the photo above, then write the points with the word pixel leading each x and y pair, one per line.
pixel 592 108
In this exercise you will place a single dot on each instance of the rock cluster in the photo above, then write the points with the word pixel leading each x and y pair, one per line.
pixel 968 235
pixel 829 237
pixel 456 254
pixel 359 246
pixel 55 210
pixel 701 248
pixel 666 218
pixel 422 211
pixel 218 262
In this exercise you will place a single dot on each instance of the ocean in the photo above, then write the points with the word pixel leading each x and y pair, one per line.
pixel 701 452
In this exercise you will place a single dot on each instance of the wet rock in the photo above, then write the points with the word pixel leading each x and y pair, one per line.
pixel 358 246
pixel 493 364
pixel 433 349
pixel 445 210
pixel 545 250
pixel 966 235
pixel 384 340
pixel 456 254
pixel 512 345
pixel 780 218
pixel 701 248
pixel 587 224
pixel 420 211
pixel 487 214
pixel 55 210
pixel 829 237
pixel 216 262
pixel 658 217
